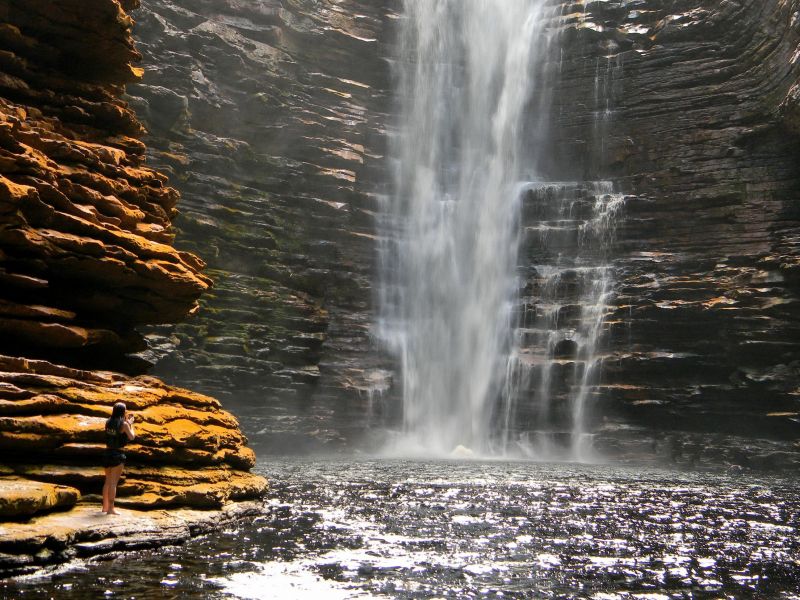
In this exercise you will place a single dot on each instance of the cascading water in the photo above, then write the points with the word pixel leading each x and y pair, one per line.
pixel 472 89
pixel 554 365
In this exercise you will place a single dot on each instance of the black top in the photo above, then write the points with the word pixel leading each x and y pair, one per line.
pixel 115 438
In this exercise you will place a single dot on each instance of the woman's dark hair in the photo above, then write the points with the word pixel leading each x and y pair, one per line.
pixel 117 413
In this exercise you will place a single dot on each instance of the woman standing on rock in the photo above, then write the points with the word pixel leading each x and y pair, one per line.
pixel 119 430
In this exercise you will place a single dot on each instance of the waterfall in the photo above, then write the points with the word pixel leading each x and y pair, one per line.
pixel 472 94
pixel 465 73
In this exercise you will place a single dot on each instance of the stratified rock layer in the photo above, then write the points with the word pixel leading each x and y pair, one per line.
pixel 86 256
pixel 692 107
pixel 187 449
pixel 269 114
pixel 85 228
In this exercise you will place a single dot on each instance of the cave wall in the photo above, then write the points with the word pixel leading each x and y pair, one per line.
pixel 272 117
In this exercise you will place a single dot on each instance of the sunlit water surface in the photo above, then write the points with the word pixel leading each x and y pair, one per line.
pixel 400 529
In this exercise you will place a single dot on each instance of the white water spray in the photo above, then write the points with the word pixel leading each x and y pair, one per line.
pixel 555 363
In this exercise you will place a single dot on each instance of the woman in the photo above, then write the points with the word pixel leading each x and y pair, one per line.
pixel 119 431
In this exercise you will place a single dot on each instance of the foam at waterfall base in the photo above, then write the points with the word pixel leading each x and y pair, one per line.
pixel 545 446
pixel 462 452
pixel 556 446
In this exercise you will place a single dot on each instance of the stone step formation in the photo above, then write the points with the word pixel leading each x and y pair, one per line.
pixel 86 259
pixel 566 296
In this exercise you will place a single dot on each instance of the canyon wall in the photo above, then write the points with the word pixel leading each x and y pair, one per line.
pixel 690 109
pixel 270 115
pixel 272 118
pixel 86 258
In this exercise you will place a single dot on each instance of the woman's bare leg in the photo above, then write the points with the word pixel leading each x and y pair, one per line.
pixel 106 487
pixel 116 473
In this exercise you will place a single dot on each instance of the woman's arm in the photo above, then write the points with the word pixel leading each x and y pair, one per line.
pixel 127 428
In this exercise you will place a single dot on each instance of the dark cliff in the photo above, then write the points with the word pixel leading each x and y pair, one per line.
pixel 691 109
pixel 86 257
pixel 275 115
pixel 270 115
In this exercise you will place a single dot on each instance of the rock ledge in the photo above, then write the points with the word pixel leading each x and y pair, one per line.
pixel 85 532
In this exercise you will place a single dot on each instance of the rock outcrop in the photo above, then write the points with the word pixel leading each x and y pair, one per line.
pixel 187 449
pixel 86 258
pixel 86 228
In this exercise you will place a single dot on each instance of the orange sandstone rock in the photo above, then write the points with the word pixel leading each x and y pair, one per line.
pixel 64 410
pixel 23 497
pixel 188 450
pixel 78 210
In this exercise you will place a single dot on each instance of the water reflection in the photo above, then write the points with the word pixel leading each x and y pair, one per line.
pixel 468 530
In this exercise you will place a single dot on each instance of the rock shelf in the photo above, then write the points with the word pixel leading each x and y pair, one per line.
pixel 85 532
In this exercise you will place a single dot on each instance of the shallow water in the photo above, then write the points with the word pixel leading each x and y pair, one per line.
pixel 447 529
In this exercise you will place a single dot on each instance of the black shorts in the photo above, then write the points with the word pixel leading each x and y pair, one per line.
pixel 113 458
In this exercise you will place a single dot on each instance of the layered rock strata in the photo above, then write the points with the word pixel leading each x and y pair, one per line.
pixel 692 109
pixel 188 452
pixel 187 449
pixel 271 117
pixel 86 228
pixel 86 258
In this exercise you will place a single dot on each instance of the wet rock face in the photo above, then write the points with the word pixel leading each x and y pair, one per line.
pixel 692 107
pixel 272 118
pixel 85 533
pixel 269 116
pixel 86 257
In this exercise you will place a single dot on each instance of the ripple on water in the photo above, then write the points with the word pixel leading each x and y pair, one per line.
pixel 482 529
